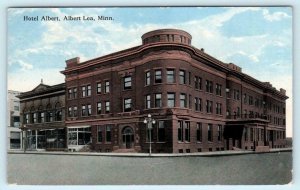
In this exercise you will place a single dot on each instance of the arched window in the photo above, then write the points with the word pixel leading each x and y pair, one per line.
pixel 58 112
pixel 41 114
pixel 49 113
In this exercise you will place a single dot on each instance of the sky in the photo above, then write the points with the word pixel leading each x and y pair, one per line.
pixel 258 39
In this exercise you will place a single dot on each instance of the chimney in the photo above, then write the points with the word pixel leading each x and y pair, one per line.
pixel 282 91
pixel 73 62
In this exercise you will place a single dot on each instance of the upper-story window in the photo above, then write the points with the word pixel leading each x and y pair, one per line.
pixel 86 91
pixel 218 89
pixel 198 82
pixel 183 101
pixel 219 108
pixel 209 106
pixel 209 86
pixel 75 111
pixel 83 110
pixel 148 102
pixel 158 101
pixel 99 107
pixel 127 83
pixel 147 78
pixel 158 76
pixel 236 94
pixel 99 86
pixel 245 98
pixel 187 130
pixel 127 104
pixel 89 109
pixel 170 76
pixel 107 89
pixel 107 106
pixel 83 91
pixel 182 77
pixel 70 93
pixel 89 90
pixel 250 100
pixel 171 100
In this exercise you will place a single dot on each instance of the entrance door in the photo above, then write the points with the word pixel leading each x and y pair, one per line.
pixel 128 137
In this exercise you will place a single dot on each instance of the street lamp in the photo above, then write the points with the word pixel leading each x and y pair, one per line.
pixel 149 121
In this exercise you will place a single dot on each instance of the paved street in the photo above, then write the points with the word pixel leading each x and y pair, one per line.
pixel 268 168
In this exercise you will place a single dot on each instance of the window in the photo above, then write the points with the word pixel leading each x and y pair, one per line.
pixel 189 78
pixel 171 100
pixel 187 131
pixel 127 104
pixel 198 83
pixel 158 102
pixel 83 91
pixel 209 133
pixel 127 83
pixel 147 78
pixel 41 117
pixel 158 77
pixel 106 90
pixel 209 106
pixel 99 134
pixel 26 118
pixel 83 110
pixel 220 132
pixel 107 106
pixel 199 132
pixel 89 90
pixel 246 134
pixel 161 131
pixel 219 108
pixel 148 101
pixel 245 98
pixel 238 111
pixel 196 104
pixel 218 89
pixel 34 118
pixel 170 76
pixel 180 131
pixel 70 93
pixel 89 109
pixel 70 112
pixel 250 100
pixel 99 108
pixel 182 77
pixel 190 101
pixel 209 86
pixel 183 101
pixel 108 133
pixel 74 92
pixel 75 111
pixel 99 88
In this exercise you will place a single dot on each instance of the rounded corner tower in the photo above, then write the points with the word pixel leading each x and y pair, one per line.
pixel 167 36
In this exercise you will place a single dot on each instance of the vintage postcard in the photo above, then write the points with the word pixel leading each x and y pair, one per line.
pixel 149 96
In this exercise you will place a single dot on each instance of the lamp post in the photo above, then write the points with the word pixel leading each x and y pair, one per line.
pixel 149 121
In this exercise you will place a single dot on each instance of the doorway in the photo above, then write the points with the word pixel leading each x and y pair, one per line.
pixel 128 137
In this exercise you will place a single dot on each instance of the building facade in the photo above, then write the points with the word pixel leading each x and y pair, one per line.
pixel 198 102
pixel 42 117
pixel 14 141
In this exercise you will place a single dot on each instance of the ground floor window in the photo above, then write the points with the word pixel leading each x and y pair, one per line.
pixel 42 139
pixel 79 136
pixel 15 140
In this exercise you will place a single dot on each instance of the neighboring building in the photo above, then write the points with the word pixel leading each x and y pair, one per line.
pixel 42 117
pixel 13 119
pixel 199 103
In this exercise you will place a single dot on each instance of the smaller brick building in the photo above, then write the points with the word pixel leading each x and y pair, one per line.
pixel 43 116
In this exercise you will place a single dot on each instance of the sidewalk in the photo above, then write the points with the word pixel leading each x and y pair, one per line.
pixel 202 154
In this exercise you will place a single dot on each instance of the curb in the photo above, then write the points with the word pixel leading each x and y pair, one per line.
pixel 146 155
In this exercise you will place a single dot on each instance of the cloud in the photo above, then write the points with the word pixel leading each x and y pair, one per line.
pixel 276 16
pixel 24 65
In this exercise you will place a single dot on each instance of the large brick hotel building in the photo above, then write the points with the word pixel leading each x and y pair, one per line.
pixel 199 103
